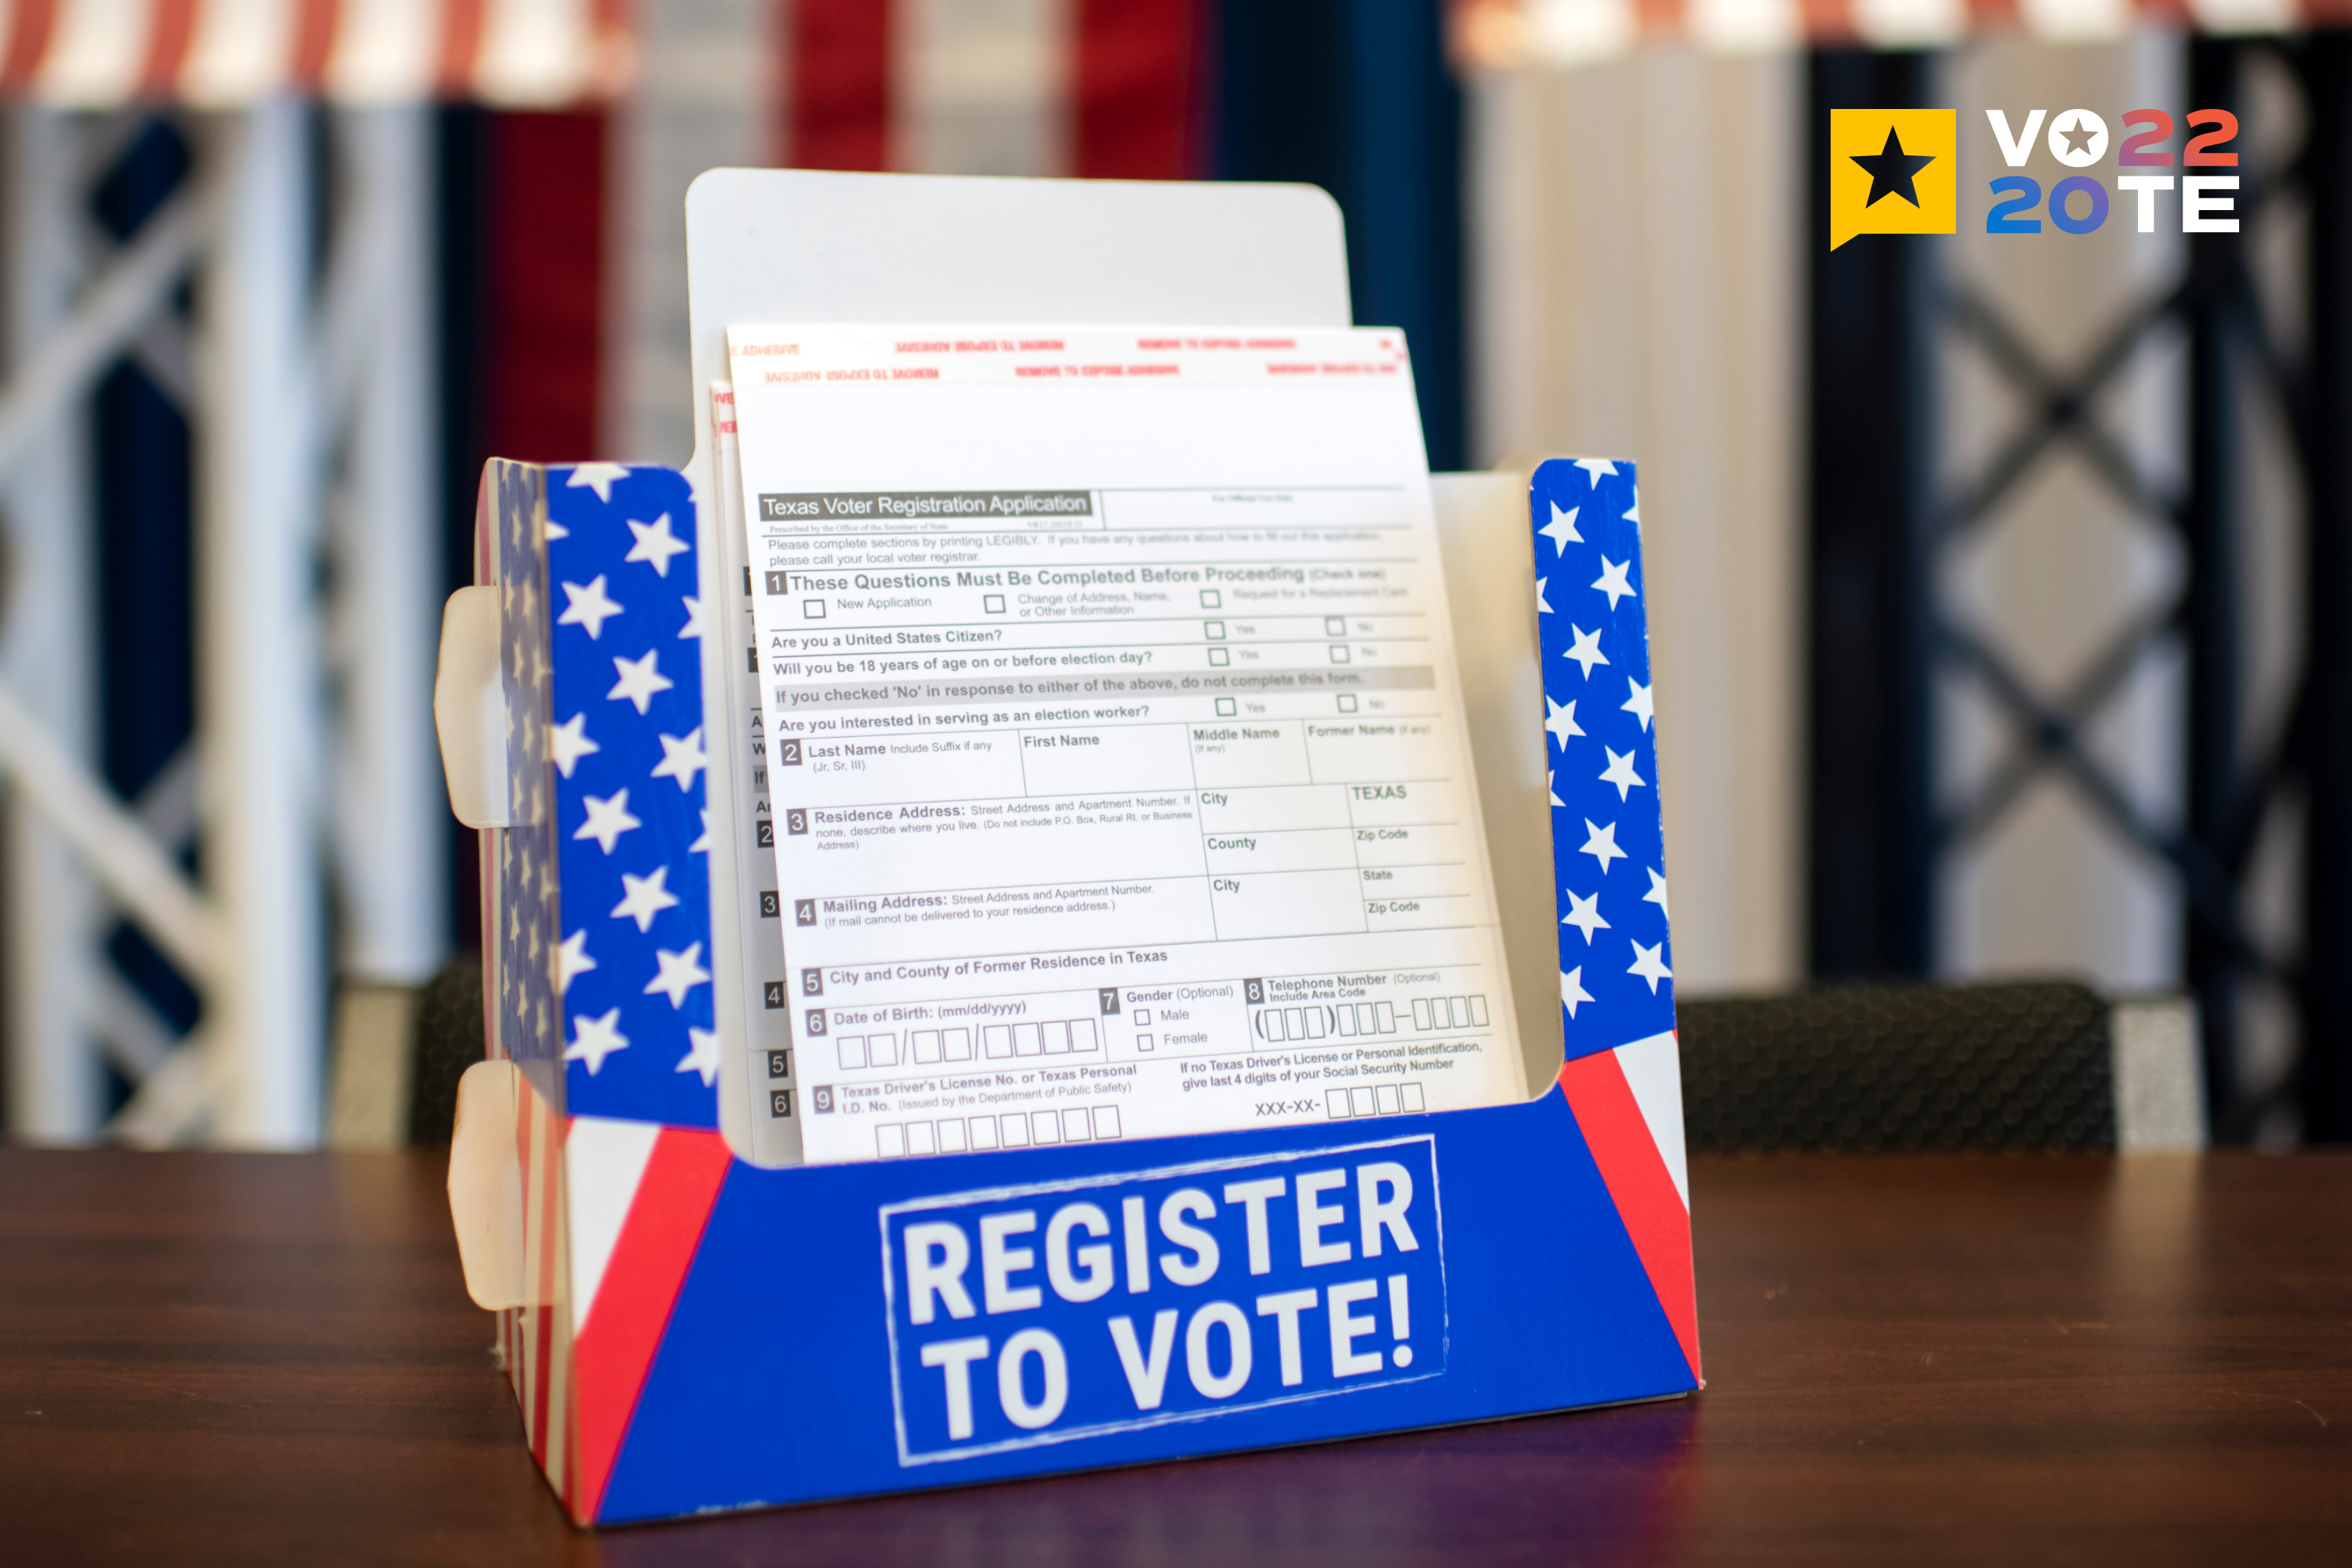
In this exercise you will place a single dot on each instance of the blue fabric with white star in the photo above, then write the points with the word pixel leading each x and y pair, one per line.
pixel 628 755
pixel 1608 867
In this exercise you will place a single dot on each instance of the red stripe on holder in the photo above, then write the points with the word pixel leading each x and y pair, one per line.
pixel 1639 1184
pixel 554 1401
pixel 526 1146
pixel 615 1349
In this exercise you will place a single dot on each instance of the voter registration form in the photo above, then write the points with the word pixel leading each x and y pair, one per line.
pixel 1116 755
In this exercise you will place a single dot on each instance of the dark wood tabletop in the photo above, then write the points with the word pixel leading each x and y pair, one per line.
pixel 255 1359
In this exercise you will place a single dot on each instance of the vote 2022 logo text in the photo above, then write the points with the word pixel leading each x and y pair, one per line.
pixel 1893 171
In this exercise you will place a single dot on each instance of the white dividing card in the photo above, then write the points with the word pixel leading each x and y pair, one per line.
pixel 1115 736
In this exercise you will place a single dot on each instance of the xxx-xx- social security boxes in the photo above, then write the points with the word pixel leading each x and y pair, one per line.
pixel 687 1331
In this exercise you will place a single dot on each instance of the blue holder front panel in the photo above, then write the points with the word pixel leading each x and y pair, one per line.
pixel 794 1368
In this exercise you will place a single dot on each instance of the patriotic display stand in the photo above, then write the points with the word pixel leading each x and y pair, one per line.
pixel 687 1332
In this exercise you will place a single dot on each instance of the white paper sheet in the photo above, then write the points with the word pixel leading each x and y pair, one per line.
pixel 775 1122
pixel 1115 736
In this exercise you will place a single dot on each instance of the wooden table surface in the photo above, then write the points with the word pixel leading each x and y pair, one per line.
pixel 262 1359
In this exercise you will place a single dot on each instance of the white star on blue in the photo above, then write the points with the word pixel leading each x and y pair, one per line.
pixel 630 811
pixel 1616 955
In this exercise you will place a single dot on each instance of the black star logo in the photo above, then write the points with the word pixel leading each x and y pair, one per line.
pixel 1891 169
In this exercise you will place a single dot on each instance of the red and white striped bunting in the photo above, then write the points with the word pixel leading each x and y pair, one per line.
pixel 99 54
pixel 1504 35
pixel 1101 89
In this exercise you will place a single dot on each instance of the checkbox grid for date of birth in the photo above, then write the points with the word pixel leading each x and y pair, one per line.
pixel 927 1048
pixel 1012 1130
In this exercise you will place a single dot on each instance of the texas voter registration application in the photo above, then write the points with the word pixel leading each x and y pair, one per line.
pixel 1115 747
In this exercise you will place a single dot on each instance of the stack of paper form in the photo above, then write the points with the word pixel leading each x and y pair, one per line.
pixel 1115 782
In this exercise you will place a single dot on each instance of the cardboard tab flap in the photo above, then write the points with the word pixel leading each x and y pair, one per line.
pixel 469 709
pixel 486 1186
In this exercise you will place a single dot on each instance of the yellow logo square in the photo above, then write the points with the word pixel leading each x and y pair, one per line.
pixel 1892 171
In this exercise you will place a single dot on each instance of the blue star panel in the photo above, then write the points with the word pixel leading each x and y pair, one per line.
pixel 626 745
pixel 513 496
pixel 1609 868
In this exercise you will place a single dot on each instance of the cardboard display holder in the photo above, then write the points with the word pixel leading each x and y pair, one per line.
pixel 688 1330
